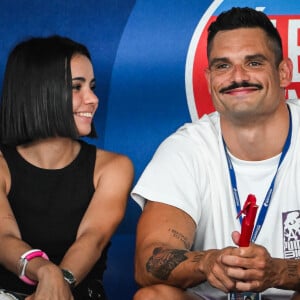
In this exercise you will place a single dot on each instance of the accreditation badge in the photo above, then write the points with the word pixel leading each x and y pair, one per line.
pixel 244 296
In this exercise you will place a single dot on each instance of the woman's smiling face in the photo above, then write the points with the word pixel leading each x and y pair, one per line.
pixel 85 102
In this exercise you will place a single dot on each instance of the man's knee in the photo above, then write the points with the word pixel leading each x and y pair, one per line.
pixel 162 292
pixel 147 293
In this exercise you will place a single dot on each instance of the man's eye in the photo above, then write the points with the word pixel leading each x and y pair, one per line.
pixel 220 67
pixel 255 63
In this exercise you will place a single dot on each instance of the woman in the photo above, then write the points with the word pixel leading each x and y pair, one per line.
pixel 61 199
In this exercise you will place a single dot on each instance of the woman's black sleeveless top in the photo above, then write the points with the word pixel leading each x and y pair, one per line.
pixel 48 206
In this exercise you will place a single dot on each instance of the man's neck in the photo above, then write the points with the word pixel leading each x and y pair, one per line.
pixel 258 140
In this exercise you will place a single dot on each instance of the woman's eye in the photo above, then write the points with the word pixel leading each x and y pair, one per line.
pixel 76 87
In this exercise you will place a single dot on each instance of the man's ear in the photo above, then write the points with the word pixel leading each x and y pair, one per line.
pixel 207 77
pixel 285 72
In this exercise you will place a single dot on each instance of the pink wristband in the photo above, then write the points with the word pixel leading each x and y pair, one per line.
pixel 25 258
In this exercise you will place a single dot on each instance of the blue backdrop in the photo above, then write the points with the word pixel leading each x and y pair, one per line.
pixel 139 51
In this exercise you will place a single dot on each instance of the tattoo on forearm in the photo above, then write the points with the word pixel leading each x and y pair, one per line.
pixel 292 268
pixel 181 237
pixel 197 258
pixel 164 261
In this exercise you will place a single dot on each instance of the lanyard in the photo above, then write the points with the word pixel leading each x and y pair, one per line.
pixel 266 203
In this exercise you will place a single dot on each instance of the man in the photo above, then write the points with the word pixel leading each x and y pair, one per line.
pixel 199 178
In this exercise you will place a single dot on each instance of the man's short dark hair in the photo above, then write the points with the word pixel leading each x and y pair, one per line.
pixel 36 101
pixel 245 17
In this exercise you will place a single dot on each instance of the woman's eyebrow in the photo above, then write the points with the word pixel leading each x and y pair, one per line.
pixel 79 78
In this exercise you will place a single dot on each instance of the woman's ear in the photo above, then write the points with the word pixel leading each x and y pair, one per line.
pixel 285 72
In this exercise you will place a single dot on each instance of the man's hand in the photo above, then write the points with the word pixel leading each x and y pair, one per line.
pixel 251 268
pixel 213 267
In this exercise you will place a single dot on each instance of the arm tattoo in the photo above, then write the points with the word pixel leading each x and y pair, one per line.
pixel 181 237
pixel 197 257
pixel 292 269
pixel 164 261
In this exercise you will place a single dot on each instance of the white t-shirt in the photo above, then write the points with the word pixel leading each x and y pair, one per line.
pixel 189 171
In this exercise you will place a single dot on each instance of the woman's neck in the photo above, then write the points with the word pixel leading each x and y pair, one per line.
pixel 50 153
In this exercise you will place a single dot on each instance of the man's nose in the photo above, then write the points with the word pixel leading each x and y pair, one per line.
pixel 239 73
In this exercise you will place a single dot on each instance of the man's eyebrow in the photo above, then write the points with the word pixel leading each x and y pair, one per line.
pixel 256 56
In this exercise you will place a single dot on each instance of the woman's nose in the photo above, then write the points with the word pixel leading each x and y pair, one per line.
pixel 91 98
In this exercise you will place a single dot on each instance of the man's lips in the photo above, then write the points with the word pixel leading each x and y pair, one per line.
pixel 240 91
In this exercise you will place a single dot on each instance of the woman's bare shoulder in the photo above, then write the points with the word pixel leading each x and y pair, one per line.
pixel 112 162
pixel 107 157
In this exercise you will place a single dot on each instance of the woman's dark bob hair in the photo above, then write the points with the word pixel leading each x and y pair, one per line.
pixel 36 101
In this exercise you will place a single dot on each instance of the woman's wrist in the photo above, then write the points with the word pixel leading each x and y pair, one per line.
pixel 69 278
pixel 48 271
pixel 24 260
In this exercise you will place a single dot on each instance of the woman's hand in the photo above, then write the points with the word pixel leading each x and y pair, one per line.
pixel 51 285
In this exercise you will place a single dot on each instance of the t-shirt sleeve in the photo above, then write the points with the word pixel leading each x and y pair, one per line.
pixel 172 177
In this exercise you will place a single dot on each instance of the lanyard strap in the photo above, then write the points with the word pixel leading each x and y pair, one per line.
pixel 266 203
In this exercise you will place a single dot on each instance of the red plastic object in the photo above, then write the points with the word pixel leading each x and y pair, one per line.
pixel 249 210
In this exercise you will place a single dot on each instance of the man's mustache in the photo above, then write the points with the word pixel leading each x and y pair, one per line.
pixel 236 85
